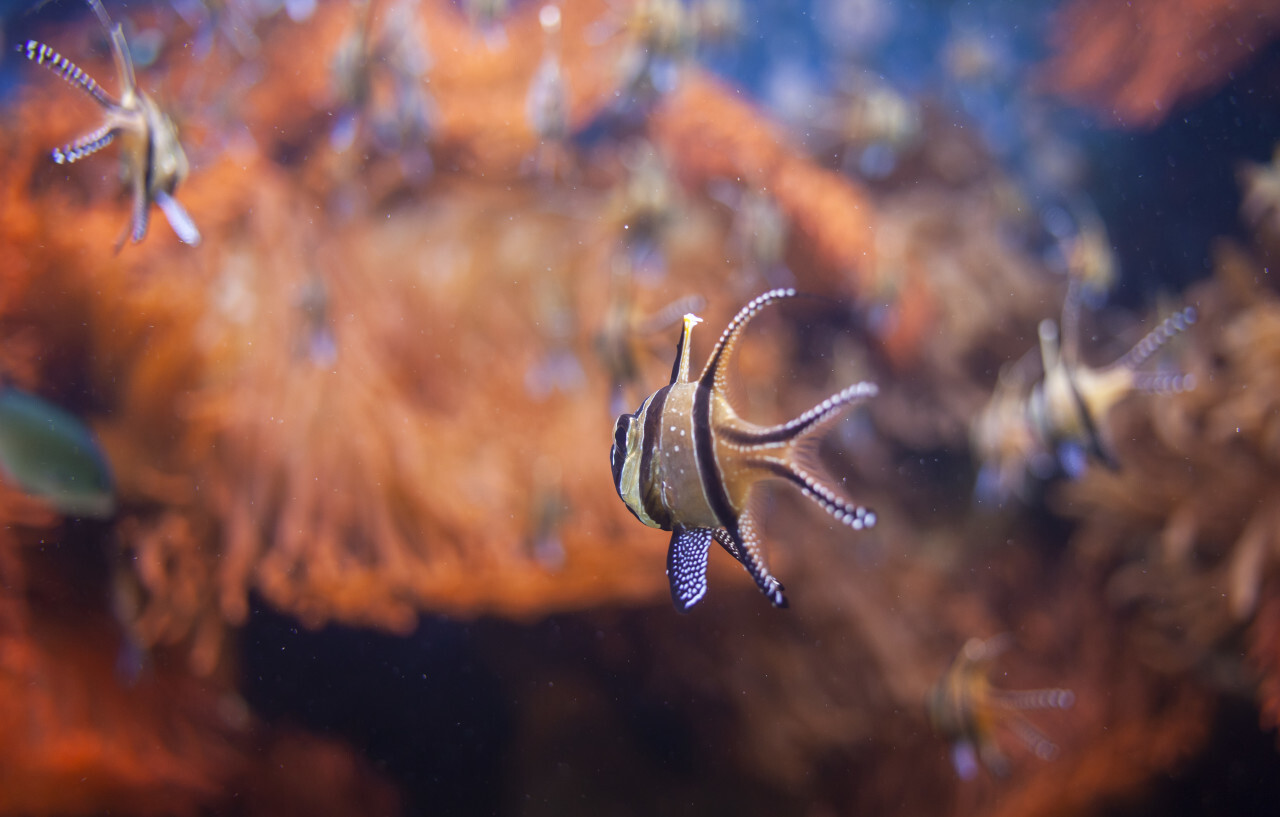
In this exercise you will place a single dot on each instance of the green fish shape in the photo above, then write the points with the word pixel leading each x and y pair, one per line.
pixel 51 454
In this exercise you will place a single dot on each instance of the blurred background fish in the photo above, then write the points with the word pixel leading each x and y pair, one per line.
pixel 51 454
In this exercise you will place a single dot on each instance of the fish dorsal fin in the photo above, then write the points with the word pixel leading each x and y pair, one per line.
pixel 119 50
pixel 1050 352
pixel 680 371
pixel 41 54
pixel 715 375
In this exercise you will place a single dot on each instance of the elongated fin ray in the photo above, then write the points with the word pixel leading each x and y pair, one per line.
pixel 119 49
pixel 1034 698
pixel 1173 325
pixel 86 145
pixel 687 566
pixel 41 54
pixel 742 541
pixel 715 375
pixel 1163 383
pixel 141 210
pixel 811 421
pixel 136 229
pixel 845 512
pixel 1035 740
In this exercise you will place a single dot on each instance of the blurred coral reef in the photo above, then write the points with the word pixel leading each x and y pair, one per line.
pixel 377 392
pixel 1135 63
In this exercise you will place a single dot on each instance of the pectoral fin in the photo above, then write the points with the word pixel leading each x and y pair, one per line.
pixel 687 566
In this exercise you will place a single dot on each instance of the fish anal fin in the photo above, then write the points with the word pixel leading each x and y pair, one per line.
pixel 742 541
pixel 687 566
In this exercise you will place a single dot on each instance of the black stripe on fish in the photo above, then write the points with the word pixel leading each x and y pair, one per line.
pixel 709 475
pixel 1096 446
pixel 651 495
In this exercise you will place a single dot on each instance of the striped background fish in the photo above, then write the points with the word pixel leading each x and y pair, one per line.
pixel 154 162
pixel 968 711
pixel 685 462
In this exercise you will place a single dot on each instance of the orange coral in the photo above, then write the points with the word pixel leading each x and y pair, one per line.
pixel 82 739
pixel 1264 654
pixel 1186 529
pixel 355 488
pixel 1136 62
pixel 712 134
pixel 371 394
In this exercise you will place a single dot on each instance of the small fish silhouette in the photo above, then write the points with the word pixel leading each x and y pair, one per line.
pixel 1068 405
pixel 154 163
pixel 1029 425
pixel 685 462
pixel 50 454
pixel 967 710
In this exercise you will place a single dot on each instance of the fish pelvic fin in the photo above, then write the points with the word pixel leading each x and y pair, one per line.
pixel 179 219
pixel 687 566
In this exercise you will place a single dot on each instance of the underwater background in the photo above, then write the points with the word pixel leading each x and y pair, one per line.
pixel 310 512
